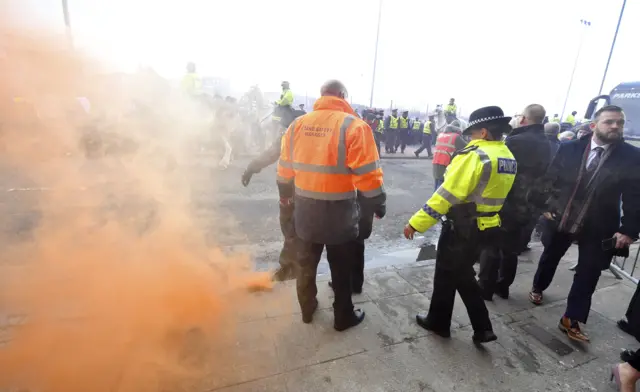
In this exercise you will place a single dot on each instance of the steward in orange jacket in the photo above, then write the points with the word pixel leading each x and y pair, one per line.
pixel 329 157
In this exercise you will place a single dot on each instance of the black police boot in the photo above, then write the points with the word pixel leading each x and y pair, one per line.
pixel 307 314
pixel 502 292
pixel 350 321
pixel 484 337
pixel 423 321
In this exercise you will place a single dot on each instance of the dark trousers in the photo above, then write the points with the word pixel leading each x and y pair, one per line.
pixel 592 259
pixel 401 140
pixel 437 182
pixel 499 265
pixel 357 275
pixel 341 262
pixel 289 252
pixel 633 313
pixel 390 140
pixel 454 272
pixel 426 144
pixel 378 138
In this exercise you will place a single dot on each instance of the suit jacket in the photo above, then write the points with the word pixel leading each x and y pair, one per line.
pixel 618 178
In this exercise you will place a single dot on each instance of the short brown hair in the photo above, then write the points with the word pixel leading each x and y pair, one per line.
pixel 608 108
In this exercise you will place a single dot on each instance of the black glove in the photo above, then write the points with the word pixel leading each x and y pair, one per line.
pixel 246 177
pixel 381 211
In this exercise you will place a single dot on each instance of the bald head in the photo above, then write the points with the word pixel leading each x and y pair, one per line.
pixel 534 114
pixel 551 129
pixel 334 88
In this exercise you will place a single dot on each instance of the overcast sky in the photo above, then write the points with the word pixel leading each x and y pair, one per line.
pixel 505 52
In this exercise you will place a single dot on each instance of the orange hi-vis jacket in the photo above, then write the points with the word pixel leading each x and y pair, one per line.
pixel 327 157
pixel 445 147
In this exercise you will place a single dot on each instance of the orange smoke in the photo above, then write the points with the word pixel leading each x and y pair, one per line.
pixel 110 285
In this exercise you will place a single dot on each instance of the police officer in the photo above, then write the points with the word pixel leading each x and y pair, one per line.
pixel 427 131
pixel 451 110
pixel 476 183
pixel 416 127
pixel 191 81
pixel 283 111
pixel 403 132
pixel 571 119
pixel 391 132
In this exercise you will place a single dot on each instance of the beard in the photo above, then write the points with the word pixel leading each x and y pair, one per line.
pixel 608 137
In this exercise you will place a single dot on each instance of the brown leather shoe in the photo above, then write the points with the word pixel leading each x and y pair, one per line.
pixel 572 329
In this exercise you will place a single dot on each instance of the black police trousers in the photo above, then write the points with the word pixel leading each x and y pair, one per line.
pixel 456 254
pixel 499 260
pixel 390 136
pixel 341 264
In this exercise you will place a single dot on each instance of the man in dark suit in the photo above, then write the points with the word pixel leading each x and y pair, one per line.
pixel 587 178
pixel 530 147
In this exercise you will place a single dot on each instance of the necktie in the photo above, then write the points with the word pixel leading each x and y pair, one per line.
pixel 596 159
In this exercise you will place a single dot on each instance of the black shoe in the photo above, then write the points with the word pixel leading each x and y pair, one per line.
pixel 484 337
pixel 353 290
pixel 430 157
pixel 416 154
pixel 422 320
pixel 486 294
pixel 355 319
pixel 502 292
pixel 628 355
pixel 307 315
pixel 624 326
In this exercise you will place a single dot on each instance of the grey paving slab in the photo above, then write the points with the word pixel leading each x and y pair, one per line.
pixel 397 318
pixel 420 277
pixel 299 345
pixel 612 301
pixel 387 284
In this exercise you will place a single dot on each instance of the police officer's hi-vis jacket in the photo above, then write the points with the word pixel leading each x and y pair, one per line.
pixel 481 173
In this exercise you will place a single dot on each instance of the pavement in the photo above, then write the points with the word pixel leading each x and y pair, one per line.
pixel 389 352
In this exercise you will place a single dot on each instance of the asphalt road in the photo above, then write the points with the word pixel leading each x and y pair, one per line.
pixel 230 216
pixel 246 219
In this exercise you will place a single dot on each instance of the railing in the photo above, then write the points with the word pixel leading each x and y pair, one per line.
pixel 624 267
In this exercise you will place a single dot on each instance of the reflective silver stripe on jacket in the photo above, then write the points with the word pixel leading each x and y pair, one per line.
pixel 485 176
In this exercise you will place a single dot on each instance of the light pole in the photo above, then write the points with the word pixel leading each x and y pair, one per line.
pixel 585 24
pixel 67 22
pixel 613 44
pixel 375 56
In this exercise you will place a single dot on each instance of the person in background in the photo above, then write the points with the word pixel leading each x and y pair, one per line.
pixel 566 136
pixel 391 124
pixel 571 119
pixel 529 145
pixel 403 132
pixel 586 181
pixel 555 119
pixel 626 374
pixel 476 183
pixel 551 131
pixel 191 81
pixel 335 160
pixel 449 141
pixel 427 131
pixel 416 128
